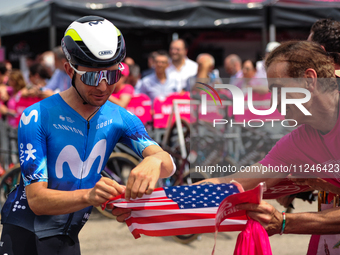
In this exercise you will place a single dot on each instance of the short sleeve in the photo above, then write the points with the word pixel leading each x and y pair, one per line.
pixel 32 145
pixel 134 133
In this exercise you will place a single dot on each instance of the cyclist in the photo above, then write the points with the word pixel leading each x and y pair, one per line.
pixel 64 143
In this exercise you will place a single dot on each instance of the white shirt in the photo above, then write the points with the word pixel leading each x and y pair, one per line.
pixel 188 70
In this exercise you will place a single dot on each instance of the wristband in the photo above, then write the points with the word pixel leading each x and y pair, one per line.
pixel 283 222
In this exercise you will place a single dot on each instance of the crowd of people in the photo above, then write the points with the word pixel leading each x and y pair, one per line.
pixel 77 91
pixel 169 71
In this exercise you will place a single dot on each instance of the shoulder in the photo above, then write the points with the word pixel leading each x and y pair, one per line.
pixel 170 68
pixel 128 89
pixel 149 79
pixel 190 63
pixel 47 103
pixel 38 113
pixel 298 137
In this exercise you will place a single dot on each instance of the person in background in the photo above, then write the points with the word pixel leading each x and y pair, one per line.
pixel 134 76
pixel 205 72
pixel 3 86
pixel 151 64
pixel 47 59
pixel 260 69
pixel 327 33
pixel 123 92
pixel 181 67
pixel 18 85
pixel 159 83
pixel 9 69
pixel 38 76
pixel 233 67
pixel 129 61
pixel 59 81
pixel 250 79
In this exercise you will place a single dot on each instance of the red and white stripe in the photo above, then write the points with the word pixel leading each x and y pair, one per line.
pixel 174 222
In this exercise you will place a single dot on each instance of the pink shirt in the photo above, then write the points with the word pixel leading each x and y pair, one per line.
pixel 12 105
pixel 126 89
pixel 304 148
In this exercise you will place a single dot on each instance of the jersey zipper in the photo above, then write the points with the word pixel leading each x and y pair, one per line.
pixel 82 169
pixel 70 218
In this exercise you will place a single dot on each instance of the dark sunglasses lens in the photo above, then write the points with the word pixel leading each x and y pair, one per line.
pixel 113 76
pixel 90 78
pixel 94 78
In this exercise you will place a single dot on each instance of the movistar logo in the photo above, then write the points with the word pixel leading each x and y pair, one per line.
pixel 204 97
pixel 105 52
pixel 27 119
pixel 95 22
pixel 79 168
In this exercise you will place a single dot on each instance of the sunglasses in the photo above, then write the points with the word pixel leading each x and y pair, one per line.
pixel 94 78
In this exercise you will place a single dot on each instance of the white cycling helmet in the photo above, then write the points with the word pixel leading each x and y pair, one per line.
pixel 93 41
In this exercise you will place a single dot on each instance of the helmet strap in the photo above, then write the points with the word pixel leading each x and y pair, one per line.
pixel 74 85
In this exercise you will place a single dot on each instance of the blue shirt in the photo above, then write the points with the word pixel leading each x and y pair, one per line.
pixel 59 81
pixel 152 87
pixel 58 146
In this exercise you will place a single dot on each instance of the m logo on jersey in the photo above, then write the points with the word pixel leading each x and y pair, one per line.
pixel 79 168
pixel 27 119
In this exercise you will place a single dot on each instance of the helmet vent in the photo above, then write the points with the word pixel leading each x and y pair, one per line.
pixel 85 49
pixel 119 45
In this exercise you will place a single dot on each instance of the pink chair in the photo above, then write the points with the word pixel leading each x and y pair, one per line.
pixel 163 107
pixel 140 105
pixel 213 111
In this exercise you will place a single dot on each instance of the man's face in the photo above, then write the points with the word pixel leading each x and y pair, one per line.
pixel 229 67
pixel 95 96
pixel 177 50
pixel 248 69
pixel 278 78
pixel 161 63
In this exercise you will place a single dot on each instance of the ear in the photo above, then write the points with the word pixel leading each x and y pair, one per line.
pixel 311 78
pixel 68 69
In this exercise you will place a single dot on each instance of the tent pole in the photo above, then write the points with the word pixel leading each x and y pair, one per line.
pixel 53 37
pixel 264 38
pixel 272 33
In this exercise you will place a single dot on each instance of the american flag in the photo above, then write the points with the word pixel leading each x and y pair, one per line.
pixel 180 210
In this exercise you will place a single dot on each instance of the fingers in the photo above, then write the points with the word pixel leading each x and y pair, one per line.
pixel 121 213
pixel 285 201
pixel 248 207
pixel 118 189
pixel 104 190
pixel 265 214
pixel 151 187
pixel 138 185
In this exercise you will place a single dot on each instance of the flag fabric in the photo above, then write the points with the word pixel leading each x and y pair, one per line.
pixel 283 188
pixel 227 208
pixel 181 210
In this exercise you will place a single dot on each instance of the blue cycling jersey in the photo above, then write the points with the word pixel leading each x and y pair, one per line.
pixel 60 147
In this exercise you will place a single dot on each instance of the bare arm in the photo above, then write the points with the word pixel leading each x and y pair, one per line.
pixel 123 101
pixel 45 201
pixel 320 223
pixel 143 178
pixel 317 184
pixel 324 222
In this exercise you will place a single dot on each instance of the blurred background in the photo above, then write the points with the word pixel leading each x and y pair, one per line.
pixel 218 27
